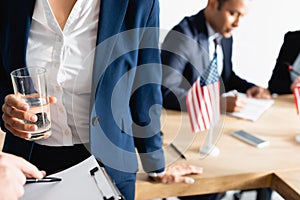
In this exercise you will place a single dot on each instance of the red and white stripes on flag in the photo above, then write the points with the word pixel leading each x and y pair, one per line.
pixel 203 105
pixel 297 98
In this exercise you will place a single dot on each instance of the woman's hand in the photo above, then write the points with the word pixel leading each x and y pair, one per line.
pixel 176 174
pixel 15 111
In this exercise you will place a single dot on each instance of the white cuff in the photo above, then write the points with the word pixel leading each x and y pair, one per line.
pixel 154 174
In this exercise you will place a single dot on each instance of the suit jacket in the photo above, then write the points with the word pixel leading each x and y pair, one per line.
pixel 184 56
pixel 126 99
pixel 280 81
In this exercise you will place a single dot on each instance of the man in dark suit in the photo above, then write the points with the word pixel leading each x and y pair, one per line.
pixel 283 80
pixel 189 48
pixel 121 84
pixel 185 56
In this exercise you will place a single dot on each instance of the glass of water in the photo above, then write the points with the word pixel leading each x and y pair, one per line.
pixel 30 84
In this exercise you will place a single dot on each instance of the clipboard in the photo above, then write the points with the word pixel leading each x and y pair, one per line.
pixel 86 180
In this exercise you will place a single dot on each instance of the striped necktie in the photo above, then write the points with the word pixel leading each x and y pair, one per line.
pixel 211 74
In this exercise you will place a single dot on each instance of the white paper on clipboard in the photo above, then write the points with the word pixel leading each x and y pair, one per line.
pixel 77 184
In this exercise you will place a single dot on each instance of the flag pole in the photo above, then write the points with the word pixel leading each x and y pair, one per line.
pixel 208 148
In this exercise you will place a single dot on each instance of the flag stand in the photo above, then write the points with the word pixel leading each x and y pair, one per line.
pixel 208 148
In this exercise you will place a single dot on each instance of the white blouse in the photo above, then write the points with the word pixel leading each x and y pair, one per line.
pixel 68 56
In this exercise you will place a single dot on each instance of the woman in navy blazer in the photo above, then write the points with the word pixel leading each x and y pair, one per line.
pixel 125 95
pixel 281 81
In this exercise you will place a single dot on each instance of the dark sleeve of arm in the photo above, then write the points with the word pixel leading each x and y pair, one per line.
pixel 236 83
pixel 179 53
pixel 173 89
pixel 5 86
pixel 280 81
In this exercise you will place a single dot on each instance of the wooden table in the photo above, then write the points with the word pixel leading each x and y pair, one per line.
pixel 287 183
pixel 239 165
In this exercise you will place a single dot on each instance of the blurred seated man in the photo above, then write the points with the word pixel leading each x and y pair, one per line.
pixel 283 81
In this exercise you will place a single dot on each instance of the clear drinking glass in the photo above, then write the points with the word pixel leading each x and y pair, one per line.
pixel 30 84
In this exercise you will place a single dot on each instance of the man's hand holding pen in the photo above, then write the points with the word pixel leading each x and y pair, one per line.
pixel 234 104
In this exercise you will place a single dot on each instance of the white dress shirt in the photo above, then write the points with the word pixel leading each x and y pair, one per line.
pixel 68 56
pixel 211 47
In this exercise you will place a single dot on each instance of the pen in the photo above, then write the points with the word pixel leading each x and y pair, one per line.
pixel 290 67
pixel 177 150
pixel 43 180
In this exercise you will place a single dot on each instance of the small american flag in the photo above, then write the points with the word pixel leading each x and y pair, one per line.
pixel 297 98
pixel 203 99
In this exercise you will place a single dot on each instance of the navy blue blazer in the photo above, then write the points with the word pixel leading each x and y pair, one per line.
pixel 280 81
pixel 126 96
pixel 185 61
